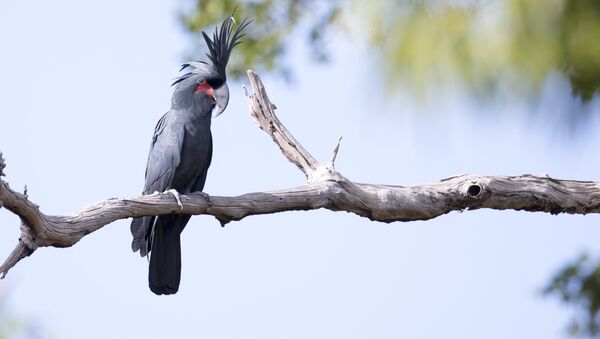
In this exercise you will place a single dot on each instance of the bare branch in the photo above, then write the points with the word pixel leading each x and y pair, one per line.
pixel 326 188
pixel 20 252
pixel 263 111
pixel 335 152
pixel 21 206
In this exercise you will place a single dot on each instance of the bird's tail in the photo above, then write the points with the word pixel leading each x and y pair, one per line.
pixel 140 227
pixel 164 274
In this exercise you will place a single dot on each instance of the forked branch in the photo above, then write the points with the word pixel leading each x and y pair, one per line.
pixel 325 188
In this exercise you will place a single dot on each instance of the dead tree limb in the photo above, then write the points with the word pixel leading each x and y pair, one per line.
pixel 325 188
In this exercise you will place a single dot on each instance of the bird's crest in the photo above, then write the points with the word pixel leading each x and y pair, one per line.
pixel 219 50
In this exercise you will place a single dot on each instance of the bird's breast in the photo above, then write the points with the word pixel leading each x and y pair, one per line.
pixel 194 156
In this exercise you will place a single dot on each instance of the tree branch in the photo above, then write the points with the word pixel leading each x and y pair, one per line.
pixel 326 188
pixel 263 112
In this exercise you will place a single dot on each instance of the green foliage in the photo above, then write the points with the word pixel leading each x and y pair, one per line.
pixel 273 23
pixel 580 45
pixel 578 285
pixel 476 44
pixel 482 44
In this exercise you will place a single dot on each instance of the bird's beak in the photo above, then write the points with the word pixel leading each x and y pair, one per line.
pixel 221 96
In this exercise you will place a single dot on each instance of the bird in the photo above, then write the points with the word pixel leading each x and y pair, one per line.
pixel 181 152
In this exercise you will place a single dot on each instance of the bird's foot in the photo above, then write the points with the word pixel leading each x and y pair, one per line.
pixel 177 197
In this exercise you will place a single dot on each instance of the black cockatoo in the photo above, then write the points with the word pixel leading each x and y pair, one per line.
pixel 181 152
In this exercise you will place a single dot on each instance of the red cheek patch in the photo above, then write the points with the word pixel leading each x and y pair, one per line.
pixel 204 87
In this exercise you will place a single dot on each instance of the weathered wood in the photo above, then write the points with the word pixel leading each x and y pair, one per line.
pixel 326 188
pixel 263 112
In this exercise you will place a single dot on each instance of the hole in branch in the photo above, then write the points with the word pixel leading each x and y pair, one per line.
pixel 474 190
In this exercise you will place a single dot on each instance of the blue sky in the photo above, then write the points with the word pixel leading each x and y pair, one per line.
pixel 81 88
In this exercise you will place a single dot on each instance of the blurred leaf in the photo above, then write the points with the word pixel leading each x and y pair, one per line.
pixel 273 23
pixel 429 43
pixel 578 285
pixel 580 38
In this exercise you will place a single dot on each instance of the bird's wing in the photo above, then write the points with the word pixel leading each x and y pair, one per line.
pixel 163 159
pixel 165 153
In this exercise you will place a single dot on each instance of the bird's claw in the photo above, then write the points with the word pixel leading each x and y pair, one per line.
pixel 177 197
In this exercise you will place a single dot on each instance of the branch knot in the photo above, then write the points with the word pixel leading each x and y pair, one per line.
pixel 28 238
pixel 474 190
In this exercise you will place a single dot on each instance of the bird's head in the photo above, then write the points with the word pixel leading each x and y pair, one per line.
pixel 209 78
